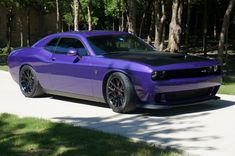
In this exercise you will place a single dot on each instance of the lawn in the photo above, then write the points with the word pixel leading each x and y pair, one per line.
pixel 4 67
pixel 227 89
pixel 228 86
pixel 31 136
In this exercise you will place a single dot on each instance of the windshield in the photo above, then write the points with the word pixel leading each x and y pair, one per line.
pixel 108 44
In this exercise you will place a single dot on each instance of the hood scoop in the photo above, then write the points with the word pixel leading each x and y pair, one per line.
pixel 157 59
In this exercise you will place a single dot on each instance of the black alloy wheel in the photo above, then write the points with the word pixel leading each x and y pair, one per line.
pixel 29 83
pixel 120 94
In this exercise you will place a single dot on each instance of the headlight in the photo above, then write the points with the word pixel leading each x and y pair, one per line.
pixel 158 75
pixel 215 68
pixel 154 75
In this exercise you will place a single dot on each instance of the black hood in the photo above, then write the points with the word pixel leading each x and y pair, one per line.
pixel 156 58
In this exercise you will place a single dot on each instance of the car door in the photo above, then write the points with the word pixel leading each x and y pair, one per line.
pixel 43 66
pixel 69 73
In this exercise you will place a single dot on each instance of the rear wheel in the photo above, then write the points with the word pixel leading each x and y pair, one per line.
pixel 29 84
pixel 120 93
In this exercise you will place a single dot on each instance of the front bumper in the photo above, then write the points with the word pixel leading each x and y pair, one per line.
pixel 178 92
pixel 181 104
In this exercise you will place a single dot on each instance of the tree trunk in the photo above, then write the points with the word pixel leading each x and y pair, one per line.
pixel 113 24
pixel 131 16
pixel 215 22
pixel 62 24
pixel 28 27
pixel 142 23
pixel 9 29
pixel 57 16
pixel 146 8
pixel 121 22
pixel 120 15
pixel 76 14
pixel 21 31
pixel 205 28
pixel 175 26
pixel 150 33
pixel 160 17
pixel 186 42
pixel 196 27
pixel 224 30
pixel 89 9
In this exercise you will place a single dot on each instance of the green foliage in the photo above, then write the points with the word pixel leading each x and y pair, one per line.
pixel 30 136
pixel 113 8
pixel 68 18
pixel 6 50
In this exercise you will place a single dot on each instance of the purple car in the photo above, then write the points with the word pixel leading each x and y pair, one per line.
pixel 115 68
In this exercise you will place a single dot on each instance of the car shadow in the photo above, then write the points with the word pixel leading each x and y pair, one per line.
pixel 202 107
pixel 80 101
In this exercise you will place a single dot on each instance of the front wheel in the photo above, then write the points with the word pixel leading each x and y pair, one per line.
pixel 29 84
pixel 120 94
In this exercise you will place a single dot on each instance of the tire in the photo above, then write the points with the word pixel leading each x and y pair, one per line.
pixel 120 94
pixel 29 84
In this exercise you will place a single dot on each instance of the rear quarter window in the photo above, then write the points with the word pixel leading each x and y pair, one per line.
pixel 51 46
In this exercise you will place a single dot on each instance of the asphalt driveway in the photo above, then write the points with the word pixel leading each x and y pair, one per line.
pixel 207 129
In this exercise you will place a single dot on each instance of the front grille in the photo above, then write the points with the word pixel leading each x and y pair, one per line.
pixel 175 97
pixel 190 73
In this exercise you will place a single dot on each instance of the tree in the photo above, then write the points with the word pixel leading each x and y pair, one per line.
pixel 147 5
pixel 160 17
pixel 57 16
pixel 150 32
pixel 68 19
pixel 131 18
pixel 115 9
pixel 9 4
pixel 224 29
pixel 121 9
pixel 76 14
pixel 186 41
pixel 175 26
pixel 89 11
pixel 205 19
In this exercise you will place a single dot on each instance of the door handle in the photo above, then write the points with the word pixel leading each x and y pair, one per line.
pixel 53 59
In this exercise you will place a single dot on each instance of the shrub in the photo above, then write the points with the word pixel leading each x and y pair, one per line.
pixel 6 50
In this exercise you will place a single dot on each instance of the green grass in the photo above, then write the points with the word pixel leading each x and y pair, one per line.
pixel 228 86
pixel 227 89
pixel 4 67
pixel 30 136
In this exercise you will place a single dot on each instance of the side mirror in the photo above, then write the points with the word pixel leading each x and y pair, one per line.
pixel 74 52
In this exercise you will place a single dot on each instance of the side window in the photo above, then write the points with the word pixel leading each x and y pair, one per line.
pixel 51 46
pixel 66 43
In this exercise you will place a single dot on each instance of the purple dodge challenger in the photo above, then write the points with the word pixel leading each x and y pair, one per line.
pixel 113 67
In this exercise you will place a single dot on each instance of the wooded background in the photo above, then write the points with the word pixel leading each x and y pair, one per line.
pixel 200 26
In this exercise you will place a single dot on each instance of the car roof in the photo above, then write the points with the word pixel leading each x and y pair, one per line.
pixel 96 33
pixel 84 34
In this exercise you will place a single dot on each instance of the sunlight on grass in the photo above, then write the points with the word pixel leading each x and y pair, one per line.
pixel 227 89
pixel 4 67
pixel 30 136
pixel 228 86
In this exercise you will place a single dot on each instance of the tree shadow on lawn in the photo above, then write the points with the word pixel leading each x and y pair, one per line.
pixel 40 137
